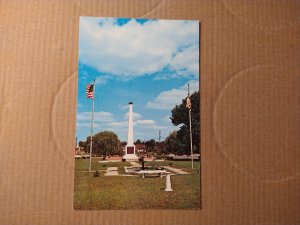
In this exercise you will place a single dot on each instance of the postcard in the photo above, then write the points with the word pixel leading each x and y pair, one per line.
pixel 138 114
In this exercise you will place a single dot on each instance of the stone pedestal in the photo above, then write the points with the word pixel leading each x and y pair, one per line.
pixel 168 183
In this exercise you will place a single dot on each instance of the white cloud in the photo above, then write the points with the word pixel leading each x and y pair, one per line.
pixel 101 80
pixel 103 117
pixel 143 129
pixel 136 49
pixel 186 62
pixel 123 107
pixel 166 100
pixel 165 76
pixel 144 122
pixel 194 86
pixel 80 124
pixel 137 123
pixel 118 124
pixel 136 116
pixel 166 120
pixel 86 124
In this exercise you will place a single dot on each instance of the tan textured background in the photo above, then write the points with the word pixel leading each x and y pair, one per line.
pixel 250 110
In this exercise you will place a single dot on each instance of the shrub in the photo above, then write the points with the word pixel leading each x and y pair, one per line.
pixel 170 163
pixel 123 160
pixel 96 173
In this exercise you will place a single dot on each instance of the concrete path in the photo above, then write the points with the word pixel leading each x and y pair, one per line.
pixel 134 164
pixel 175 170
pixel 112 171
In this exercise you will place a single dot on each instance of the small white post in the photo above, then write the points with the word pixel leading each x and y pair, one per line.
pixel 168 183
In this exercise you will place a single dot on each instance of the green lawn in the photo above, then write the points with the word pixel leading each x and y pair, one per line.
pixel 83 164
pixel 177 164
pixel 134 192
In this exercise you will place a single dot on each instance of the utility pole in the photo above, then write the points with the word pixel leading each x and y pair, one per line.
pixel 159 135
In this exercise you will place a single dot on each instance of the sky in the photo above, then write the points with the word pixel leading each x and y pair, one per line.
pixel 148 62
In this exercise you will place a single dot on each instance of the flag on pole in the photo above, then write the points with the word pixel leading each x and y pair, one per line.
pixel 90 91
pixel 188 102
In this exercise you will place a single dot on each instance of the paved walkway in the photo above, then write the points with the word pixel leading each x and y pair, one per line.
pixel 112 171
pixel 175 170
pixel 134 164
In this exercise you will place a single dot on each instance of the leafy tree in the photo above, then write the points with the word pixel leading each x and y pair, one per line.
pixel 180 116
pixel 150 145
pixel 172 144
pixel 161 147
pixel 105 143
pixel 82 144
pixel 138 141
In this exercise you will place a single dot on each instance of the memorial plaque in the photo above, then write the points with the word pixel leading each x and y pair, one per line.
pixel 130 150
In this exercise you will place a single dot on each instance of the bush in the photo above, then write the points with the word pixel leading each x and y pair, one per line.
pixel 123 160
pixel 96 173
pixel 104 165
pixel 170 163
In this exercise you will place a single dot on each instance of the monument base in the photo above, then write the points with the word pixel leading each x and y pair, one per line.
pixel 130 157
pixel 130 153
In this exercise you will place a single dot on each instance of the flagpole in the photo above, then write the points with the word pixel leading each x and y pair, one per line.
pixel 92 118
pixel 191 140
pixel 190 122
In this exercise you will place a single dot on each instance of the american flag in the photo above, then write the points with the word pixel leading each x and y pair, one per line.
pixel 188 102
pixel 90 91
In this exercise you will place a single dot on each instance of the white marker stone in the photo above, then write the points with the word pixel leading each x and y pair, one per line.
pixel 168 183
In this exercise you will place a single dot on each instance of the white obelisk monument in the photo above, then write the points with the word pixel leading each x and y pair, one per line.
pixel 130 148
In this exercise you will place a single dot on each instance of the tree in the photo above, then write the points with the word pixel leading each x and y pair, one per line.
pixel 82 144
pixel 150 145
pixel 172 144
pixel 161 147
pixel 105 143
pixel 180 116
pixel 138 141
pixel 123 143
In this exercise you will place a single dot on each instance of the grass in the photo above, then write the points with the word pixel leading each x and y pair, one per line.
pixel 185 165
pixel 121 170
pixel 134 192
pixel 83 164
pixel 177 164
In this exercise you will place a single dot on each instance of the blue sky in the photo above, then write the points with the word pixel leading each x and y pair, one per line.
pixel 149 62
